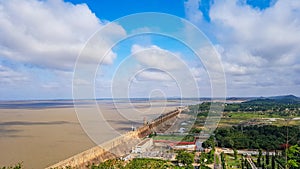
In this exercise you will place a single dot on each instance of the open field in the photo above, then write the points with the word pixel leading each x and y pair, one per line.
pixel 169 137
pixel 235 118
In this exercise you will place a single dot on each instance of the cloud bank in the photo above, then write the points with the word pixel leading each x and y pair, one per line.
pixel 49 34
pixel 259 47
pixel 39 45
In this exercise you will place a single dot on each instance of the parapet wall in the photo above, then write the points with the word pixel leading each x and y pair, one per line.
pixel 108 150
pixel 116 147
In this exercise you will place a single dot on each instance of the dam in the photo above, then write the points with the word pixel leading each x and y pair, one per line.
pixel 116 147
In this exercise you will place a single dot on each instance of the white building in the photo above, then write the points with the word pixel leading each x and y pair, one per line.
pixel 190 147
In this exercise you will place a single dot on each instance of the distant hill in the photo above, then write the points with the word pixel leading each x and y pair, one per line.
pixel 286 99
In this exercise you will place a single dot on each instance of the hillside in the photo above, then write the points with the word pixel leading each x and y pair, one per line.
pixel 286 99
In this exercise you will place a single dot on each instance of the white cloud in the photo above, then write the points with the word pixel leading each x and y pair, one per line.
pixel 258 47
pixel 153 75
pixel 153 68
pixel 50 33
pixel 268 34
pixel 80 82
pixel 9 76
pixel 156 57
pixel 192 11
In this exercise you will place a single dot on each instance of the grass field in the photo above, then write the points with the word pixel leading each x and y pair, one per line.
pixel 235 118
pixel 168 137
pixel 233 163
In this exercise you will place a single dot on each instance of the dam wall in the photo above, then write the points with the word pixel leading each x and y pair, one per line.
pixel 114 148
pixel 108 150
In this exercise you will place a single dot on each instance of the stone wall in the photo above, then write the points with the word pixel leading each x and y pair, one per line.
pixel 105 151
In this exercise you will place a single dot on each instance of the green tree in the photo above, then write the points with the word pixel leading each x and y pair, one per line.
pixel 235 153
pixel 185 158
pixel 228 142
pixel 293 154
pixel 209 143
pixel 267 158
pixel 259 158
pixel 242 162
pixel 18 166
pixel 273 162
pixel 223 162
pixel 146 163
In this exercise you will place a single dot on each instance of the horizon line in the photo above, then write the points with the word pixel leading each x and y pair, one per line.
pixel 158 98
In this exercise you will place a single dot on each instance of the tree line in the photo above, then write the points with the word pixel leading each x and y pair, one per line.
pixel 266 137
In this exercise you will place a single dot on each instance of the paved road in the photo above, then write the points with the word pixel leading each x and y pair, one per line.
pixel 251 152
pixel 251 163
pixel 217 166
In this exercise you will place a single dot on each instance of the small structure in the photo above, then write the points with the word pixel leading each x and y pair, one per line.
pixel 181 130
pixel 145 121
pixel 190 146
pixel 126 157
pixel 199 146
pixel 143 146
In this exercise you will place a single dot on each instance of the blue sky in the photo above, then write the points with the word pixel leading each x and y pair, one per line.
pixel 112 10
pixel 257 42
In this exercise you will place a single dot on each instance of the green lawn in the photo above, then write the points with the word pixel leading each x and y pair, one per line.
pixel 168 137
pixel 231 162
pixel 234 118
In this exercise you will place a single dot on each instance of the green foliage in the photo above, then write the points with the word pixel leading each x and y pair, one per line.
pixel 188 138
pixel 235 154
pixel 137 163
pixel 293 154
pixel 153 134
pixel 204 167
pixel 146 163
pixel 242 163
pixel 195 130
pixel 208 156
pixel 282 107
pixel 169 137
pixel 223 162
pixel 18 166
pixel 232 107
pixel 182 167
pixel 273 162
pixel 205 106
pixel 209 143
pixel 256 137
pixel 267 158
pixel 185 158
pixel 293 159
pixel 259 158
pixel 110 164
